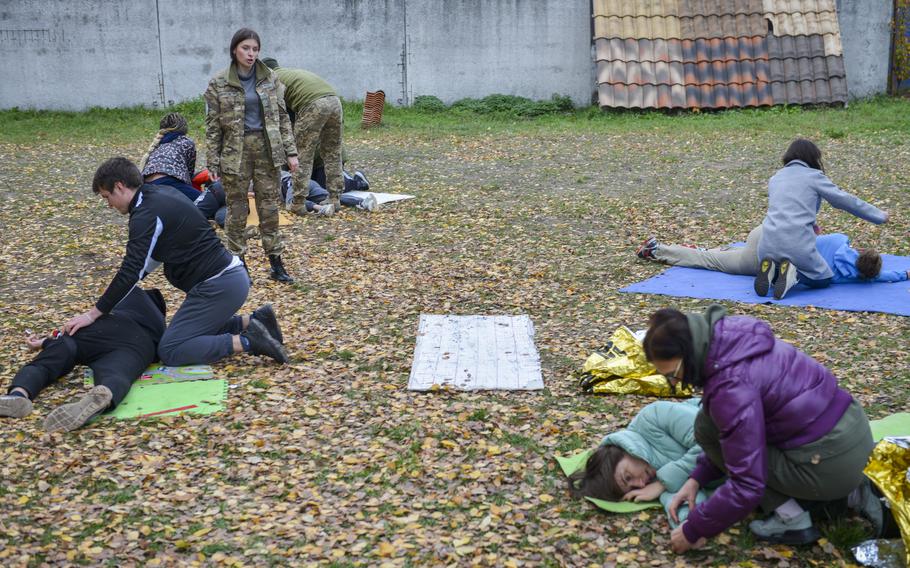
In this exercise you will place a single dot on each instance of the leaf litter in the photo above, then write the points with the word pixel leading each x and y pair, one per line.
pixel 329 459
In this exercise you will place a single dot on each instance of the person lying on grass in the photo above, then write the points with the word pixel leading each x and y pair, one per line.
pixel 846 263
pixel 118 347
pixel 166 229
pixel 773 421
pixel 650 459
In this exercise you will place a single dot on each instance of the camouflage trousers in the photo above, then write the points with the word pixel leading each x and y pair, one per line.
pixel 319 124
pixel 256 166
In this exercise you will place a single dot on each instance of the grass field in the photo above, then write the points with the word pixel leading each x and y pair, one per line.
pixel 329 460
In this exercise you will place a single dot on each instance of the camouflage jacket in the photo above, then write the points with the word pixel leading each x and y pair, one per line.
pixel 224 101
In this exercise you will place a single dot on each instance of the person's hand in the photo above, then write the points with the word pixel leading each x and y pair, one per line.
pixel 887 217
pixel 817 229
pixel 679 543
pixel 293 163
pixel 35 341
pixel 649 492
pixel 80 321
pixel 686 494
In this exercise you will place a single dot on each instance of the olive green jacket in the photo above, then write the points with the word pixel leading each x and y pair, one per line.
pixel 224 101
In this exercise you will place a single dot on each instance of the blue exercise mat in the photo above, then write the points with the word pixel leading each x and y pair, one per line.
pixel 885 297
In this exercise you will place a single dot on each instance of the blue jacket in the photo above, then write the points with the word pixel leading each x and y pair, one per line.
pixel 841 257
pixel 663 434
pixel 795 195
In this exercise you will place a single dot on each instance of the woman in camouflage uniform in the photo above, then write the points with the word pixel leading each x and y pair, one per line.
pixel 248 138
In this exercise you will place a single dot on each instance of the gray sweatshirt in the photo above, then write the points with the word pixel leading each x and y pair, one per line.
pixel 795 195
pixel 252 115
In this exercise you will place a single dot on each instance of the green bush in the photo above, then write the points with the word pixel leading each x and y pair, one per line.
pixel 428 103
pixel 505 105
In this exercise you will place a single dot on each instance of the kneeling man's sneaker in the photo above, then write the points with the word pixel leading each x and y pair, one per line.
pixel 786 279
pixel 14 406
pixel 266 316
pixel 262 342
pixel 75 414
pixel 764 277
pixel 795 531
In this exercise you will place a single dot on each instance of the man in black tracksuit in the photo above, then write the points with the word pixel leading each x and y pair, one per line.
pixel 118 348
pixel 165 228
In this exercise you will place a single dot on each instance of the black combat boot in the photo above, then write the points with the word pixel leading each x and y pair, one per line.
pixel 278 272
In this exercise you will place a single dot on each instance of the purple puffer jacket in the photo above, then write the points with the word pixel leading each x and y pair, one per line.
pixel 759 391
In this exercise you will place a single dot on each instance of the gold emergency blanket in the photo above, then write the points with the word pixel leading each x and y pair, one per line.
pixel 889 469
pixel 622 368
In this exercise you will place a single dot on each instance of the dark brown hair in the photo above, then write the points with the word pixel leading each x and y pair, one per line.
pixel 241 35
pixel 596 479
pixel 669 337
pixel 869 263
pixel 114 170
pixel 805 151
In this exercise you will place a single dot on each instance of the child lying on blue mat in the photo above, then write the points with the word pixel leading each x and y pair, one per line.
pixel 846 263
pixel 650 459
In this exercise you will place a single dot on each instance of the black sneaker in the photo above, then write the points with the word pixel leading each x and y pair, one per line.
pixel 786 279
pixel 262 342
pixel 363 184
pixel 266 316
pixel 278 272
pixel 765 277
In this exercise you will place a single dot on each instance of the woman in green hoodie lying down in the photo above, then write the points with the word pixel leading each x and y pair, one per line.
pixel 650 459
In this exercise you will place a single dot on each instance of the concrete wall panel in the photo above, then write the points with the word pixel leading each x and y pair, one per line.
pixel 865 27
pixel 354 44
pixel 473 48
pixel 75 54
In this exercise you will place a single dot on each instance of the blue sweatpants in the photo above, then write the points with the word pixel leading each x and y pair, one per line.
pixel 200 332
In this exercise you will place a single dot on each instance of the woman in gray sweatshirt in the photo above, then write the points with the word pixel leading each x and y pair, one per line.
pixel 787 246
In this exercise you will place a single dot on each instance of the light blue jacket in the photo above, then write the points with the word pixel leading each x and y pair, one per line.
pixel 663 434
pixel 841 257
pixel 795 195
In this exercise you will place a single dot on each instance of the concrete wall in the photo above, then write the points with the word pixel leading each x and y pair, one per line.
pixel 865 27
pixel 73 54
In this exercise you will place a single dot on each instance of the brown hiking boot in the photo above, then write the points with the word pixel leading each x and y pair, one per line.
pixel 73 415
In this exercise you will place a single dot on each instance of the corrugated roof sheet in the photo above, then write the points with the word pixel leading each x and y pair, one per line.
pixel 717 53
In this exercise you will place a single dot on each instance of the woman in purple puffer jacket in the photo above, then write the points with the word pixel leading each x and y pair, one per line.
pixel 773 420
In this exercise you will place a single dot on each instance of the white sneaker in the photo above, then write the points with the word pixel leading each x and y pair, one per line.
pixel 369 203
pixel 325 210
pixel 786 279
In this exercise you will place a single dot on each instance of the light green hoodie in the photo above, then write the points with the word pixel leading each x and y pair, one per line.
pixel 663 434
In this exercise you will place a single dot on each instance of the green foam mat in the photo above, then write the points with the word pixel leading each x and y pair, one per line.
pixel 571 464
pixel 160 374
pixel 168 399
pixel 893 425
